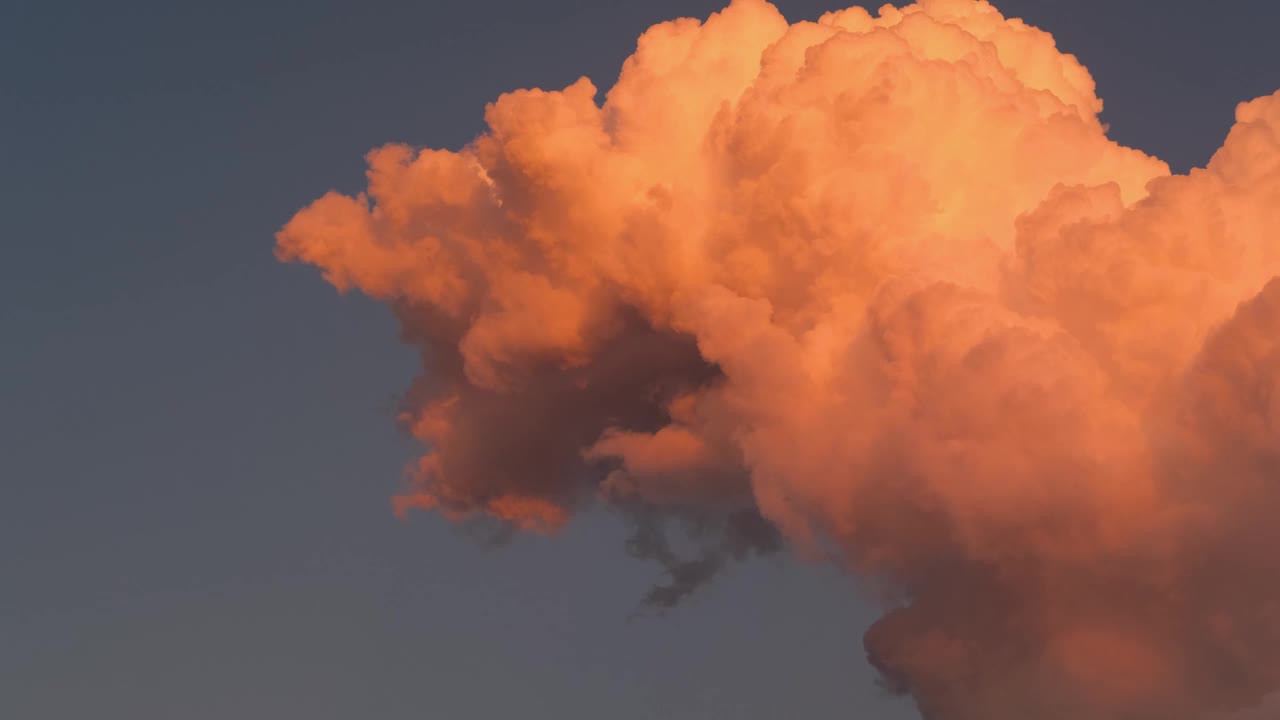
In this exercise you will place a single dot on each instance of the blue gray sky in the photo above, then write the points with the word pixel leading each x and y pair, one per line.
pixel 196 442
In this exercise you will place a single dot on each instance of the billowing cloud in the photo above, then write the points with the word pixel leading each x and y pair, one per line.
pixel 880 286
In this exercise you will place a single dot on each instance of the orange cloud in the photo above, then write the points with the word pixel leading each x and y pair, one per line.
pixel 884 283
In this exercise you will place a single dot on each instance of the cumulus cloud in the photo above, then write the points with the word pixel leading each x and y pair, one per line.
pixel 883 286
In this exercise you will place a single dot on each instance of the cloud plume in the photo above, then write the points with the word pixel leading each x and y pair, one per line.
pixel 880 286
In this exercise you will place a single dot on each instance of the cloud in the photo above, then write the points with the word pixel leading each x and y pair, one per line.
pixel 880 284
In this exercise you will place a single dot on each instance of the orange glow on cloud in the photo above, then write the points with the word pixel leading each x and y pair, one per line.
pixel 885 282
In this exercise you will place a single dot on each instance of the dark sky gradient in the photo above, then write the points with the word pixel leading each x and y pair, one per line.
pixel 196 442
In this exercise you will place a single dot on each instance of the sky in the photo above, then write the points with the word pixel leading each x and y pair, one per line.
pixel 198 445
